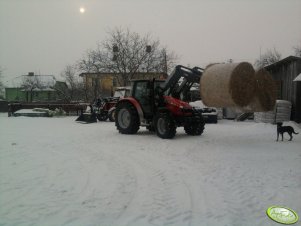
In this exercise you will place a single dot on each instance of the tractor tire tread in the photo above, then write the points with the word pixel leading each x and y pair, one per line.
pixel 134 118
pixel 170 129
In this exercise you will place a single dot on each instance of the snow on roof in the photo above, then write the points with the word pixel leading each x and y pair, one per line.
pixel 45 81
pixel 298 78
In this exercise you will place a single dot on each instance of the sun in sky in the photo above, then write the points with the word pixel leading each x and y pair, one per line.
pixel 82 10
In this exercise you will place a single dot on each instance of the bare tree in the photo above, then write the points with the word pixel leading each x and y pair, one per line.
pixel 132 53
pixel 29 84
pixel 270 57
pixel 127 53
pixel 94 61
pixel 297 50
pixel 75 87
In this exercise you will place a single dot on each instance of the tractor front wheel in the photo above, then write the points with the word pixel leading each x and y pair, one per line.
pixel 195 128
pixel 165 126
pixel 102 116
pixel 127 119
pixel 112 115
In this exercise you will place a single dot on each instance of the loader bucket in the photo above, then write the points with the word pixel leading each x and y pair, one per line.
pixel 87 118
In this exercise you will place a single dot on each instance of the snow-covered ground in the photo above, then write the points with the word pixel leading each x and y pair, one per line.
pixel 54 171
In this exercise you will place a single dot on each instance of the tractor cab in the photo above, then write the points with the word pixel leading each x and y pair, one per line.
pixel 144 91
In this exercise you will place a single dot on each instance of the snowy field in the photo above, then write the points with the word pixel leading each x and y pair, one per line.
pixel 54 171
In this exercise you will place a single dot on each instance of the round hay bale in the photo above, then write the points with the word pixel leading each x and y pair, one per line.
pixel 265 93
pixel 266 89
pixel 228 85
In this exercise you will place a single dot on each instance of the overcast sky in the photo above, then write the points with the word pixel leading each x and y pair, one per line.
pixel 43 36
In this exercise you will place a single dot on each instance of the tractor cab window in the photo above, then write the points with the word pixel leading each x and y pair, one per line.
pixel 142 91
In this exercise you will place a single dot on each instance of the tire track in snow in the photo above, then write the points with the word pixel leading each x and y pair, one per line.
pixel 200 174
pixel 121 198
pixel 233 186
pixel 108 191
pixel 16 202
pixel 159 190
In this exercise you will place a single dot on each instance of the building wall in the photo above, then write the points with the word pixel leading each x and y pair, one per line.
pixel 99 85
pixel 42 96
pixel 284 74
pixel 298 103
pixel 14 94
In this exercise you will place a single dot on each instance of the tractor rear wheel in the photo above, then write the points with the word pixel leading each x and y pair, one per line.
pixel 165 126
pixel 195 128
pixel 127 119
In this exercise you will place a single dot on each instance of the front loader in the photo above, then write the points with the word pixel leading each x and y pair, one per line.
pixel 103 108
pixel 160 105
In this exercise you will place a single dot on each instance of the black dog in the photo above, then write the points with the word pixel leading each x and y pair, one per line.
pixel 285 129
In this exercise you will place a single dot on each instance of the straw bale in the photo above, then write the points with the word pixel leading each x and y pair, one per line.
pixel 266 89
pixel 265 93
pixel 228 85
pixel 280 113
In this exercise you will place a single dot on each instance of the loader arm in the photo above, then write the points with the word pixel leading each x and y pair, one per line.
pixel 180 81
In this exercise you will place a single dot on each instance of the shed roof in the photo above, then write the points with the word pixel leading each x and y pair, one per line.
pixel 286 60
pixel 298 78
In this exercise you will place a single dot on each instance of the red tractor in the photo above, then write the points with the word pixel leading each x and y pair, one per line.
pixel 160 105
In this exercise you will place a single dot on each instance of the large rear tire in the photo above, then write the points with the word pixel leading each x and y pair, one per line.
pixel 127 119
pixel 165 126
pixel 195 128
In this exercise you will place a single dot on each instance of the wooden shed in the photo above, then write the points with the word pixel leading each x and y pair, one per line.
pixel 284 72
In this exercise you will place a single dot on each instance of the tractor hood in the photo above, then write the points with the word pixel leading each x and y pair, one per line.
pixel 177 103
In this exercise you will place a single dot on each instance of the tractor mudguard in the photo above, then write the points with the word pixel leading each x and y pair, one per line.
pixel 136 104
